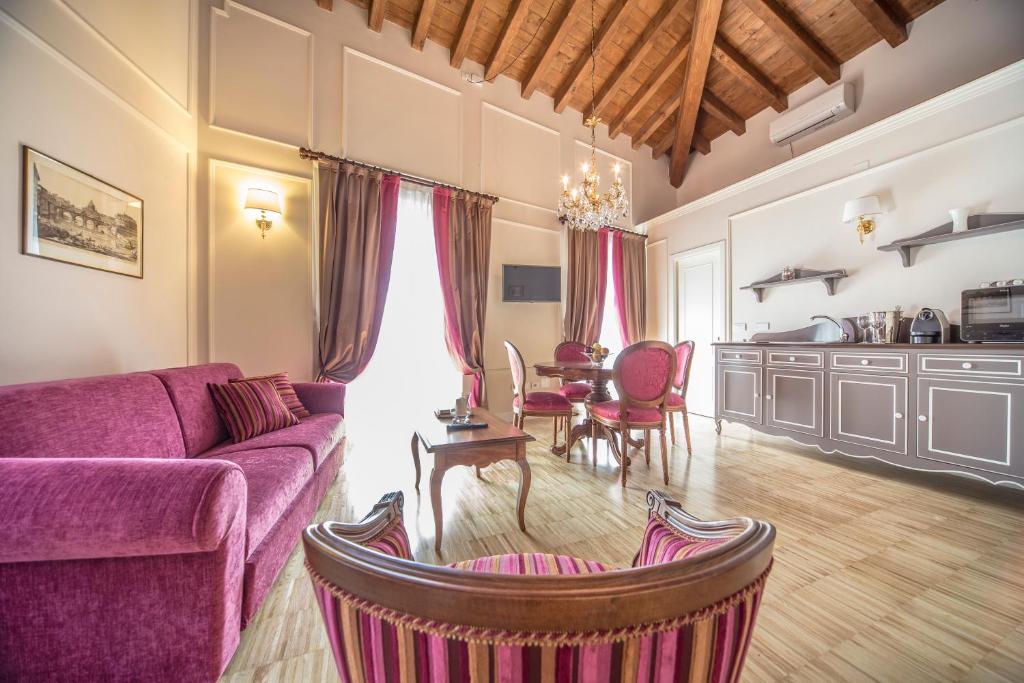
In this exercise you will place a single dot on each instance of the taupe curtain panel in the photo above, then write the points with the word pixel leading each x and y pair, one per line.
pixel 585 287
pixel 358 212
pixel 630 273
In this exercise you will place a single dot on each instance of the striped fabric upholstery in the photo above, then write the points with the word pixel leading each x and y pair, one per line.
pixel 392 541
pixel 249 409
pixel 530 564
pixel 286 391
pixel 665 543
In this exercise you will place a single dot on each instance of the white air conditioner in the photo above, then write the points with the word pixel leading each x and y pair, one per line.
pixel 829 107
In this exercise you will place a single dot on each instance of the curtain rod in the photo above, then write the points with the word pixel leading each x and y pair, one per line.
pixel 307 153
pixel 634 233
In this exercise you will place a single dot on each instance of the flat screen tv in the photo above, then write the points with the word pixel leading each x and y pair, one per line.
pixel 531 283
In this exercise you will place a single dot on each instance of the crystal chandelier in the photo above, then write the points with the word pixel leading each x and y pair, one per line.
pixel 585 207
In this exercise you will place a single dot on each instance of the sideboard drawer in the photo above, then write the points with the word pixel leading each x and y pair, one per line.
pixel 739 355
pixel 971 364
pixel 870 362
pixel 807 359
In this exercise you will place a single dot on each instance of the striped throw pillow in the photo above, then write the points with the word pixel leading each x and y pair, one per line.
pixel 664 543
pixel 251 408
pixel 285 389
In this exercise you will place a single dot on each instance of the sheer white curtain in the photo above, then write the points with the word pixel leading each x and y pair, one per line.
pixel 411 372
pixel 611 333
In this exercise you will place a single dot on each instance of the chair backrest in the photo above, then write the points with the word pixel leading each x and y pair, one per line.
pixel 571 350
pixel 684 359
pixel 643 373
pixel 518 367
pixel 387 614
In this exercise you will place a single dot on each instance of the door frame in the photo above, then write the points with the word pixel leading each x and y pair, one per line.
pixel 722 307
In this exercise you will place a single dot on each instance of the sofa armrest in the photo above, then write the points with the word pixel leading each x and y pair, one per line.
pixel 322 397
pixel 82 508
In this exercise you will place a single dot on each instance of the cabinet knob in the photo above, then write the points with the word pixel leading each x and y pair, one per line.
pixel 898 416
pixel 922 418
pixel 757 395
pixel 864 361
pixel 967 366
pixel 792 358
pixel 768 396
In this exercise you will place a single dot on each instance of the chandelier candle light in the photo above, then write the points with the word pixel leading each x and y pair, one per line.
pixel 585 207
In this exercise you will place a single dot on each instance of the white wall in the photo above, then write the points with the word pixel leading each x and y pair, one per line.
pixel 98 99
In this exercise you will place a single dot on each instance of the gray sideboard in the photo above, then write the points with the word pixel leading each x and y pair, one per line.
pixel 944 407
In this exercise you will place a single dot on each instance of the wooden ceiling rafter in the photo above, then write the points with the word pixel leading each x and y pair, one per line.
pixel 721 111
pixel 375 14
pixel 553 43
pixel 884 18
pixel 695 73
pixel 582 64
pixel 513 22
pixel 740 67
pixel 422 27
pixel 796 37
pixel 672 61
pixel 664 144
pixel 325 4
pixel 468 24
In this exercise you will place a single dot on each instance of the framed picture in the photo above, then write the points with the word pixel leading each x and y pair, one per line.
pixel 71 216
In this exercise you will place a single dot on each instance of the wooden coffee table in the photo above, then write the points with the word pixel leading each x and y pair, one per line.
pixel 500 440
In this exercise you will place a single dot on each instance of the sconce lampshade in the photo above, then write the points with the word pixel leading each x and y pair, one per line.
pixel 263 200
pixel 862 206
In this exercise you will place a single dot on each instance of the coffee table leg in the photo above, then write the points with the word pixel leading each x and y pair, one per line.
pixel 416 458
pixel 524 484
pixel 436 475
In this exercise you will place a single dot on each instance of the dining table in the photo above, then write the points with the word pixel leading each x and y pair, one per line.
pixel 597 374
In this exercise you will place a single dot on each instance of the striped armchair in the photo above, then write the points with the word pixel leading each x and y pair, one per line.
pixel 684 611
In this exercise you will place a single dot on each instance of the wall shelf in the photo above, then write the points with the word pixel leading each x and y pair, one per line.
pixel 826 277
pixel 982 224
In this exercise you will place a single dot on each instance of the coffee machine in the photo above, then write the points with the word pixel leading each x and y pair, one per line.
pixel 930 326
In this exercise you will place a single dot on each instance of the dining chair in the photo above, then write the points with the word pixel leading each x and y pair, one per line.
pixel 684 612
pixel 576 392
pixel 676 402
pixel 536 403
pixel 642 375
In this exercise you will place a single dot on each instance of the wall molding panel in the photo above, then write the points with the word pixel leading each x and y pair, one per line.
pixel 511 141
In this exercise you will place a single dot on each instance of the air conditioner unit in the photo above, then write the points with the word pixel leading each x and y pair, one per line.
pixel 829 107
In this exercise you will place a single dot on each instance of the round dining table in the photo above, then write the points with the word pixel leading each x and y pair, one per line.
pixel 597 375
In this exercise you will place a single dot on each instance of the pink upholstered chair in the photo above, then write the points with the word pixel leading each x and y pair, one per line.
pixel 576 392
pixel 643 375
pixel 683 613
pixel 676 402
pixel 536 403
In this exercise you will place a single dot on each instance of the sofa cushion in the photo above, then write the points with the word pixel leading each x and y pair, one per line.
pixel 114 416
pixel 251 408
pixel 319 434
pixel 530 564
pixel 275 477
pixel 201 426
pixel 286 391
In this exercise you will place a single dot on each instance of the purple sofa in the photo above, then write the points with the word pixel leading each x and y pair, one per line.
pixel 136 540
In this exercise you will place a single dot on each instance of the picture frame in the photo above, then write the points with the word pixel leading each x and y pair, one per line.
pixel 74 217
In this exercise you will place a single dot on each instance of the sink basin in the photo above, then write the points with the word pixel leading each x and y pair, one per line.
pixel 819 333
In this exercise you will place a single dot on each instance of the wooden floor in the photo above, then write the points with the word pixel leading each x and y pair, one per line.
pixel 880 574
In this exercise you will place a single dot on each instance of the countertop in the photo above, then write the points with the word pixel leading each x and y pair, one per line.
pixel 853 346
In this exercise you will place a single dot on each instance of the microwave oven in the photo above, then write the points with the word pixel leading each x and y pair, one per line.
pixel 993 314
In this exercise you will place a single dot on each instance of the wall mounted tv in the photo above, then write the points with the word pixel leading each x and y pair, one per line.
pixel 531 283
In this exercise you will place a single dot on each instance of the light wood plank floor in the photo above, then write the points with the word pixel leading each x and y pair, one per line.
pixel 880 574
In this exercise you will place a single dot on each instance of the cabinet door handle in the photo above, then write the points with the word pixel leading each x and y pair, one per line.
pixel 898 416
pixel 792 358
pixel 922 418
pixel 967 366
pixel 864 361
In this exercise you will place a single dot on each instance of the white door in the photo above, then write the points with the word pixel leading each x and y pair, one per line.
pixel 698 312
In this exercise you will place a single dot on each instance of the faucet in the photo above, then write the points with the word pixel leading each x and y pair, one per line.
pixel 843 335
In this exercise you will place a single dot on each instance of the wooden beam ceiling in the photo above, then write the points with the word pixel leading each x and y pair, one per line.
pixel 654 68
pixel 705 27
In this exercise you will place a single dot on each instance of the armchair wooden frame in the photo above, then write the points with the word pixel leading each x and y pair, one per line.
pixel 561 418
pixel 681 387
pixel 556 604
pixel 622 425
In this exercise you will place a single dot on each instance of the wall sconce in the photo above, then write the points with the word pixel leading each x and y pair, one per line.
pixel 264 201
pixel 861 208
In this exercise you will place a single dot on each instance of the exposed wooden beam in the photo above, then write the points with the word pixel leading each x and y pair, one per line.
pixel 376 14
pixel 740 67
pixel 883 17
pixel 513 22
pixel 654 121
pixel 657 78
pixel 325 4
pixel 700 143
pixel 796 37
pixel 422 27
pixel 705 27
pixel 720 110
pixel 551 45
pixel 469 20
pixel 582 64
pixel 640 49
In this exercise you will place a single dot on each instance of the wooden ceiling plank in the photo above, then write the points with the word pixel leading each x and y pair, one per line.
pixel 513 22
pixel 552 44
pixel 721 111
pixel 423 19
pixel 375 18
pixel 466 28
pixel 705 27
pixel 654 121
pixel 796 37
pixel 582 63
pixel 325 4
pixel 640 49
pixel 665 68
pixel 883 17
pixel 740 67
